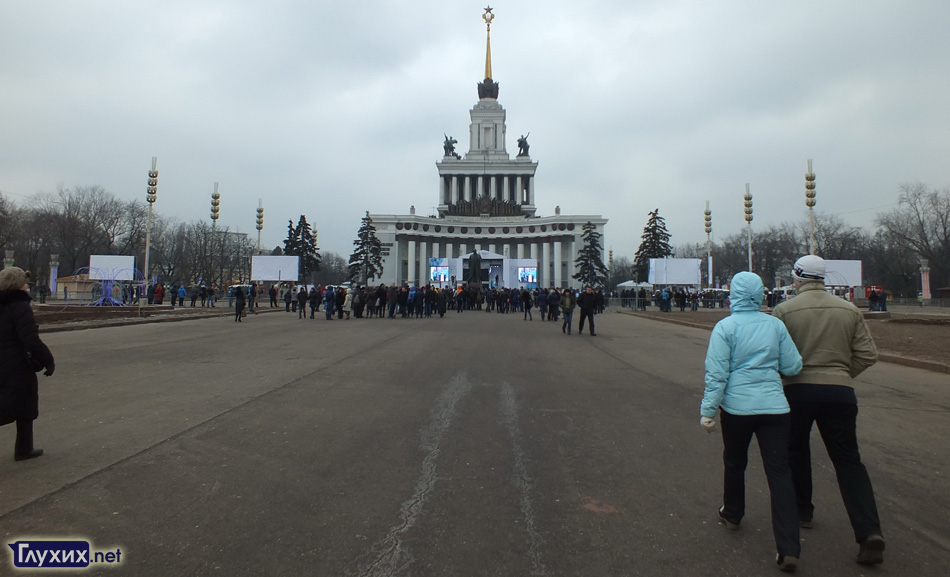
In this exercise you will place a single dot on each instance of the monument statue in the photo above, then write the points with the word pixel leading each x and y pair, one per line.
pixel 523 145
pixel 449 146
pixel 474 268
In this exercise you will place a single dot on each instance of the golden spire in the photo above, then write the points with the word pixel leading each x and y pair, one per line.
pixel 488 17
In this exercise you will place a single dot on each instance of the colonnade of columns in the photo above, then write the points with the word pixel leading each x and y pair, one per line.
pixel 518 189
pixel 555 255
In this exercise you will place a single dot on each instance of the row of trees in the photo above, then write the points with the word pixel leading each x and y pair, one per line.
pixel 919 228
pixel 79 222
pixel 75 223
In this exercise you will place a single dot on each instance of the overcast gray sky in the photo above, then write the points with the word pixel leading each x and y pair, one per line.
pixel 330 109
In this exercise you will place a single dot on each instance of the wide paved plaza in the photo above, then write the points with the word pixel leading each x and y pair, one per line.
pixel 474 445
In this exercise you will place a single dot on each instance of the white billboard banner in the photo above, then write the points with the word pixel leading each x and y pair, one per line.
pixel 675 271
pixel 843 273
pixel 276 268
pixel 111 267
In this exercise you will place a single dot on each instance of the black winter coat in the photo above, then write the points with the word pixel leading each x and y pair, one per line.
pixel 19 390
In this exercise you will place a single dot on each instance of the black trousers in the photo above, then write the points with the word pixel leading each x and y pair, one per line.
pixel 771 432
pixel 837 423
pixel 588 314
pixel 24 436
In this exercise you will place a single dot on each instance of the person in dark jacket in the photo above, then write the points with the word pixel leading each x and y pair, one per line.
pixel 302 295
pixel 239 302
pixel 587 302
pixel 22 354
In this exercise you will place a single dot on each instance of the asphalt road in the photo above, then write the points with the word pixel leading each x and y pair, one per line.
pixel 478 444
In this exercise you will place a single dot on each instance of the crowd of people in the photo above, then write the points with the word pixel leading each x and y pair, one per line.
pixel 407 301
pixel 666 298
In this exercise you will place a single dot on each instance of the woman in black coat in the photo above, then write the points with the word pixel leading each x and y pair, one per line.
pixel 22 354
pixel 239 302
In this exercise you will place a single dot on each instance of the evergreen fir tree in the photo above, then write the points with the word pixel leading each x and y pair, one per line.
pixel 655 244
pixel 366 261
pixel 300 242
pixel 590 264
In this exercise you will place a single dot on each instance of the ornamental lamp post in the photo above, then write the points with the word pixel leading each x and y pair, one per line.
pixel 810 203
pixel 151 196
pixel 215 208
pixel 748 219
pixel 260 222
pixel 709 260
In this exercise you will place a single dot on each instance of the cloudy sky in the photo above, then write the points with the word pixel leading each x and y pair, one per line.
pixel 330 109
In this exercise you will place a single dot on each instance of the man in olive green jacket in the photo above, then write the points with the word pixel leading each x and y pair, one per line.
pixel 836 346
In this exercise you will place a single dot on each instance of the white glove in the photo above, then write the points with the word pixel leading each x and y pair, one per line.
pixel 708 423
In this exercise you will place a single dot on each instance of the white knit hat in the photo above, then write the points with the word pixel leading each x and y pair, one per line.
pixel 809 267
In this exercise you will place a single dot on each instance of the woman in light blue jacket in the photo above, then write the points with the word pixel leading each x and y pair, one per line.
pixel 748 352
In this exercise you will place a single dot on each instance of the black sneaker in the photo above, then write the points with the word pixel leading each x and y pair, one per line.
pixel 871 551
pixel 786 563
pixel 729 524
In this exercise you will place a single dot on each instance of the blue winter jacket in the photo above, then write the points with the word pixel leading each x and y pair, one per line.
pixel 747 352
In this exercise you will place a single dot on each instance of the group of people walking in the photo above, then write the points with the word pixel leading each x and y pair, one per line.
pixel 775 376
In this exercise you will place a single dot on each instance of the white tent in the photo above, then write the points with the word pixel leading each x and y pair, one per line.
pixel 628 284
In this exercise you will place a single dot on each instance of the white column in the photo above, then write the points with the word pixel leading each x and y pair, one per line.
pixel 455 189
pixel 493 187
pixel 467 192
pixel 557 263
pixel 435 249
pixel 423 262
pixel 504 186
pixel 519 185
pixel 534 254
pixel 411 273
pixel 442 196
pixel 463 249
pixel 480 187
pixel 448 249
pixel 571 267
pixel 531 191
pixel 394 262
pixel 520 250
pixel 546 267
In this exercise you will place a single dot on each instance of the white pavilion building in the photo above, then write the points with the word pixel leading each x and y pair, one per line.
pixel 486 204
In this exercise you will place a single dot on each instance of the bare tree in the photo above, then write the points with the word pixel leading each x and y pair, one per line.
pixel 622 270
pixel 922 221
pixel 9 216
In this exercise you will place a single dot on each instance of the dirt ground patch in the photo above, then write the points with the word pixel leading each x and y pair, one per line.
pixel 910 336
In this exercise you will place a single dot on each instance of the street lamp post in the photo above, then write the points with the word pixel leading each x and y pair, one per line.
pixel 810 203
pixel 260 223
pixel 215 207
pixel 709 261
pixel 151 196
pixel 748 219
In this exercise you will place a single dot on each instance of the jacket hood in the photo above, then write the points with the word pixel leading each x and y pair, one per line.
pixel 745 292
